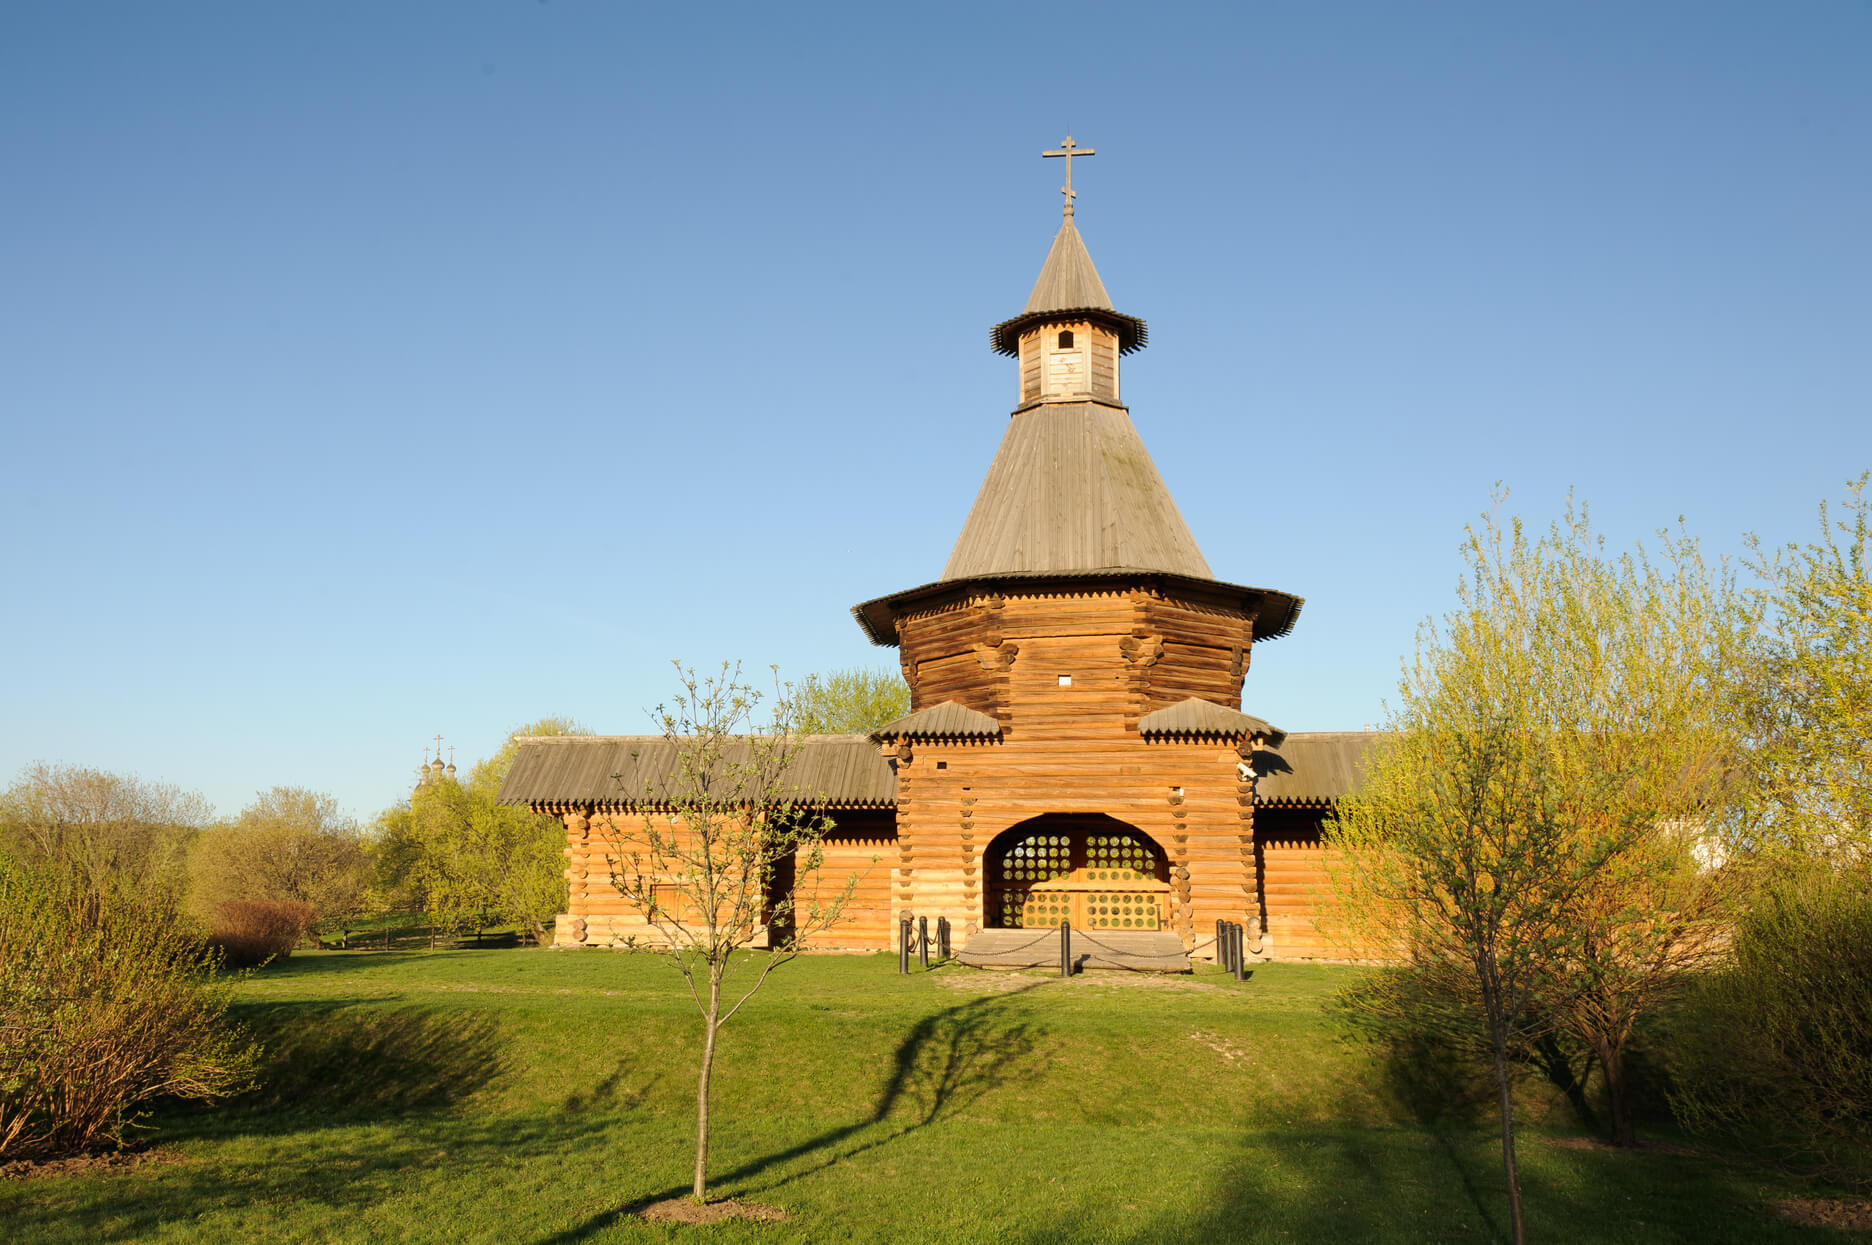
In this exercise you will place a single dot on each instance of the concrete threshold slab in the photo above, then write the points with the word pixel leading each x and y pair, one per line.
pixel 1124 951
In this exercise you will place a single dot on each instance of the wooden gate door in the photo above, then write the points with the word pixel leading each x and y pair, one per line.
pixel 1104 875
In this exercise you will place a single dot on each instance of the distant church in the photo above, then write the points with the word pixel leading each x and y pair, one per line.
pixel 1076 748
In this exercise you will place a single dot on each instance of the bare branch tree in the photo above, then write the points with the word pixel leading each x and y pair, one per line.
pixel 726 855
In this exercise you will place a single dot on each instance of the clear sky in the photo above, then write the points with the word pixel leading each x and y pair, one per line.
pixel 369 371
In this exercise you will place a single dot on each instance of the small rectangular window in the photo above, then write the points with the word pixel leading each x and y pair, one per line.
pixel 1065 680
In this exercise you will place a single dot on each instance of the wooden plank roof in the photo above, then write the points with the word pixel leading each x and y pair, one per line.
pixel 948 720
pixel 1068 284
pixel 595 771
pixel 1195 716
pixel 1073 489
pixel 1072 493
pixel 846 771
pixel 1313 767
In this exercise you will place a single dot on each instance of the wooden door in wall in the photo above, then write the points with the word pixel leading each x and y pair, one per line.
pixel 1096 872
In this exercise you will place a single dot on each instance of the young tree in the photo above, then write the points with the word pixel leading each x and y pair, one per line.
pixel 1540 816
pixel 290 845
pixel 850 701
pixel 726 856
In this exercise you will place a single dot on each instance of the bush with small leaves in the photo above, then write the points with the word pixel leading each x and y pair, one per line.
pixel 251 932
pixel 106 1004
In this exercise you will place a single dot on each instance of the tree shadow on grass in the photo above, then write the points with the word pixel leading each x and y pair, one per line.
pixel 1331 1182
pixel 332 963
pixel 327 1064
pixel 611 1093
pixel 309 1184
pixel 945 1063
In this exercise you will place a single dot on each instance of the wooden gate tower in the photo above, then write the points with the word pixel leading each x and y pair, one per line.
pixel 1076 744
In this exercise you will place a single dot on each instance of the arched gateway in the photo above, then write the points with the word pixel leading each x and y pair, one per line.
pixel 1095 871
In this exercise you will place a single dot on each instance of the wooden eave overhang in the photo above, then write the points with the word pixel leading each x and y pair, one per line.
pixel 562 772
pixel 1133 333
pixel 1275 613
pixel 1313 769
pixel 1195 718
pixel 948 720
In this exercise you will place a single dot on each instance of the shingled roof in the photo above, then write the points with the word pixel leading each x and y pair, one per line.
pixel 1313 767
pixel 600 771
pixel 845 771
pixel 948 720
pixel 1073 489
pixel 1068 284
pixel 1195 716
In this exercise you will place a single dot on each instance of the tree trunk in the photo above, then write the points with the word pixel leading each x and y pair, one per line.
pixel 1618 1096
pixel 1559 1070
pixel 700 1192
pixel 1499 1037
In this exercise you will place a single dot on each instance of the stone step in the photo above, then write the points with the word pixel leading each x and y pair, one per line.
pixel 1132 951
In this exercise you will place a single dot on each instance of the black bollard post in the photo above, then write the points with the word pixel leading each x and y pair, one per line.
pixel 1065 948
pixel 942 937
pixel 923 940
pixel 1221 943
pixel 903 945
pixel 1241 953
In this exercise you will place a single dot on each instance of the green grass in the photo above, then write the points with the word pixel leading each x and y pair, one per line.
pixel 530 1095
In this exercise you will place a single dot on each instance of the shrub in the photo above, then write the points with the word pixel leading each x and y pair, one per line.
pixel 1775 1043
pixel 252 932
pixel 106 1003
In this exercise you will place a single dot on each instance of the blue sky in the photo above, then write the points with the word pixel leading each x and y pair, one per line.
pixel 373 371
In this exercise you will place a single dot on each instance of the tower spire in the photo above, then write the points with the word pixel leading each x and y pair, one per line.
pixel 1069 149
pixel 1068 288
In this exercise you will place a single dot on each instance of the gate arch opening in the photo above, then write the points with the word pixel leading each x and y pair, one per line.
pixel 1090 869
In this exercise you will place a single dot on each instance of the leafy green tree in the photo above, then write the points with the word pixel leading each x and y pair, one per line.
pixel 1538 826
pixel 726 856
pixel 466 857
pixel 1805 687
pixel 289 844
pixel 850 701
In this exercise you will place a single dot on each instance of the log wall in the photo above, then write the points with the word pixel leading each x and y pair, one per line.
pixel 1296 887
pixel 858 849
pixel 1068 672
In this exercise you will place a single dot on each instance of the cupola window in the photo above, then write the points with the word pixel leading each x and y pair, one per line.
pixel 1065 339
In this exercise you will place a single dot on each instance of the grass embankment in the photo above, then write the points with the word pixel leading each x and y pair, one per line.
pixel 529 1095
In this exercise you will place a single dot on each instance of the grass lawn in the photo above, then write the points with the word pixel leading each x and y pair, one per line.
pixel 526 1096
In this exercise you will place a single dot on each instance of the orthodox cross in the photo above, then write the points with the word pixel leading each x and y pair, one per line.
pixel 1069 149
